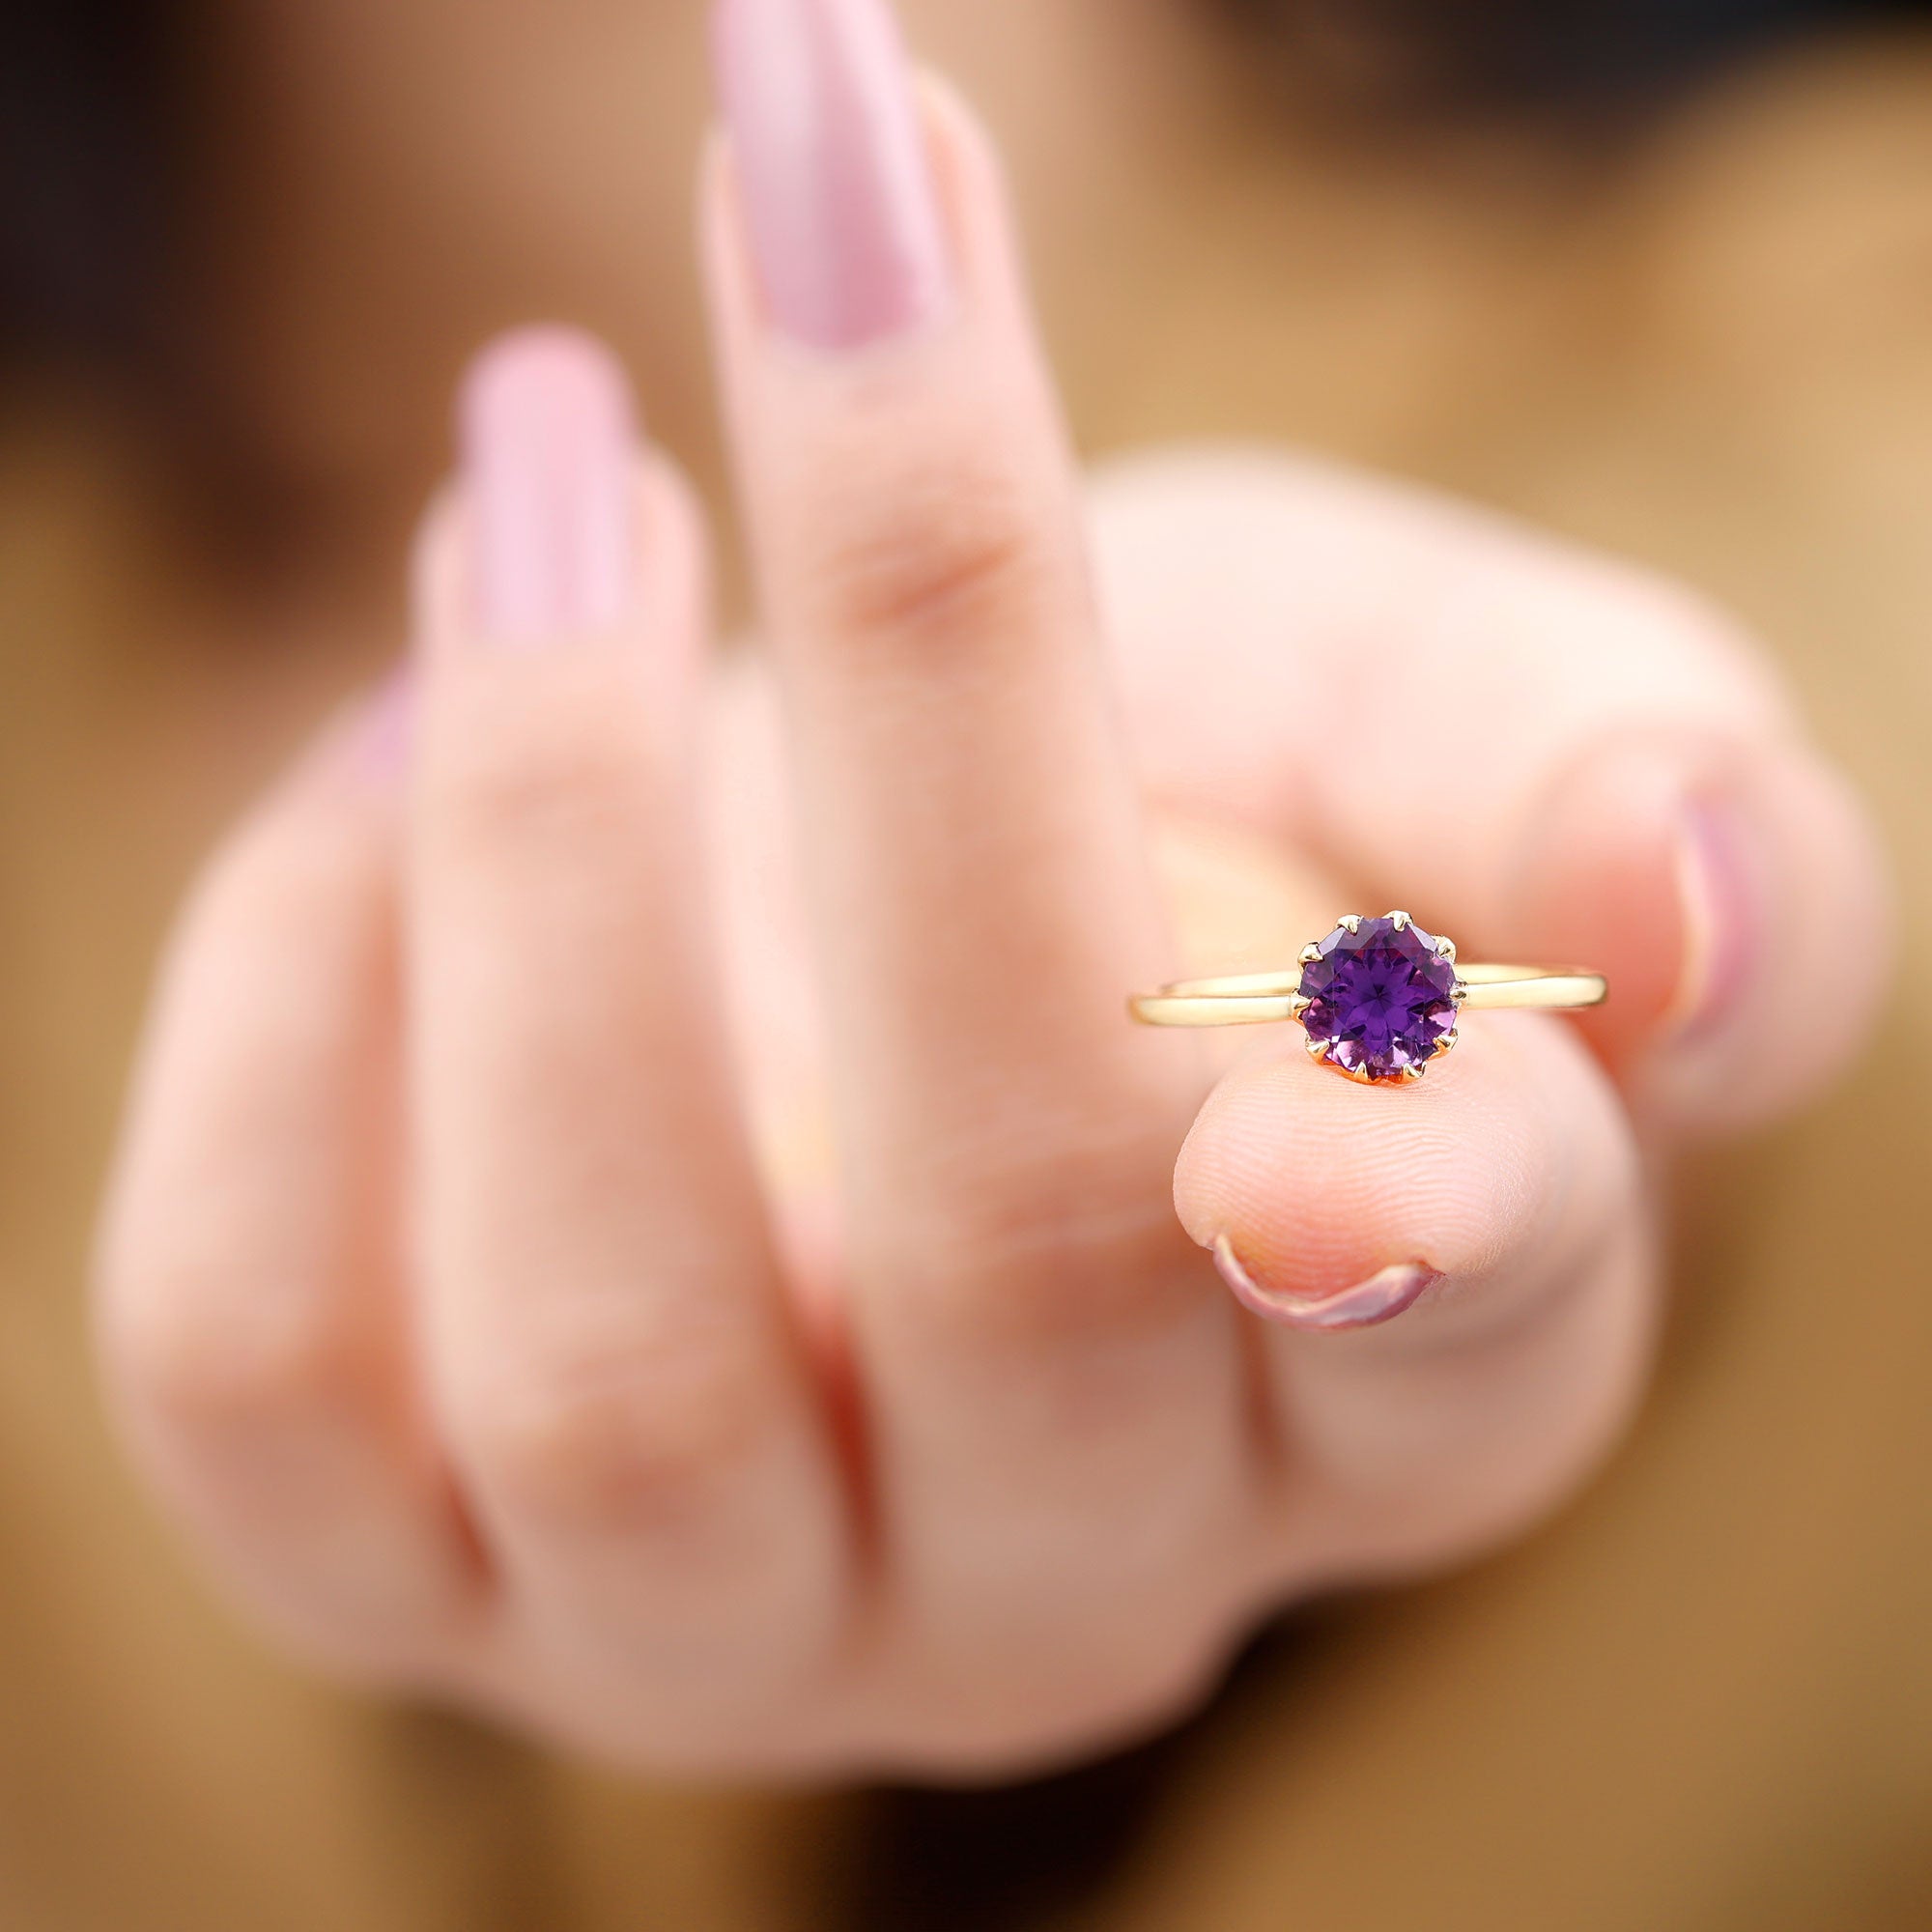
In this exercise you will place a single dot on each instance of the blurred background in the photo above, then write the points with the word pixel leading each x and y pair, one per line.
pixel 1657 275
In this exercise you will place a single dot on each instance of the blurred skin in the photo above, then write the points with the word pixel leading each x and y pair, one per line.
pixel 642 1210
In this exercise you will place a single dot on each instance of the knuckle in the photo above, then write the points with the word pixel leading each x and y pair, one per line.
pixel 541 785
pixel 939 549
pixel 208 1364
pixel 598 1441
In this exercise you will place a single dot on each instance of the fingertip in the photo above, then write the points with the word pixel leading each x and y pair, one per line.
pixel 837 199
pixel 1714 881
pixel 963 275
pixel 1317 1183
pixel 1600 881
pixel 543 379
pixel 1331 1206
pixel 1386 1294
pixel 1790 933
pixel 564 533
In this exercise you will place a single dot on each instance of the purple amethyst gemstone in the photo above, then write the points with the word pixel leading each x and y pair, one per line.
pixel 1380 1000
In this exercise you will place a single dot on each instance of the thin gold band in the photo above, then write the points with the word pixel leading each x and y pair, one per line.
pixel 1254 999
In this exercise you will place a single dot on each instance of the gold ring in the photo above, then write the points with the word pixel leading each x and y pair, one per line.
pixel 1378 998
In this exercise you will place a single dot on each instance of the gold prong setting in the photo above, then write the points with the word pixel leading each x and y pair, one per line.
pixel 1379 999
pixel 1382 993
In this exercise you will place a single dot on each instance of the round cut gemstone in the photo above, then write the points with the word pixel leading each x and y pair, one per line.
pixel 1379 998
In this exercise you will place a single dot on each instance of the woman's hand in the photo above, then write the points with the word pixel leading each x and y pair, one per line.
pixel 475 1282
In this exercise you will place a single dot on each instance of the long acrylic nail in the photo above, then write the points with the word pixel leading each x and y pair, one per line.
pixel 1364 1305
pixel 548 447
pixel 832 173
pixel 1719 900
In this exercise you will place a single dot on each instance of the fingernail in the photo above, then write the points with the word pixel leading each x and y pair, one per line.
pixel 1366 1306
pixel 1718 901
pixel 548 447
pixel 834 179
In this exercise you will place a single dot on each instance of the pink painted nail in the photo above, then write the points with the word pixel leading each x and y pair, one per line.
pixel 1380 1299
pixel 1719 897
pixel 834 178
pixel 548 447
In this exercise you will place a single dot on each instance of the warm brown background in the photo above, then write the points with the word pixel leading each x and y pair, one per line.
pixel 1701 1700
